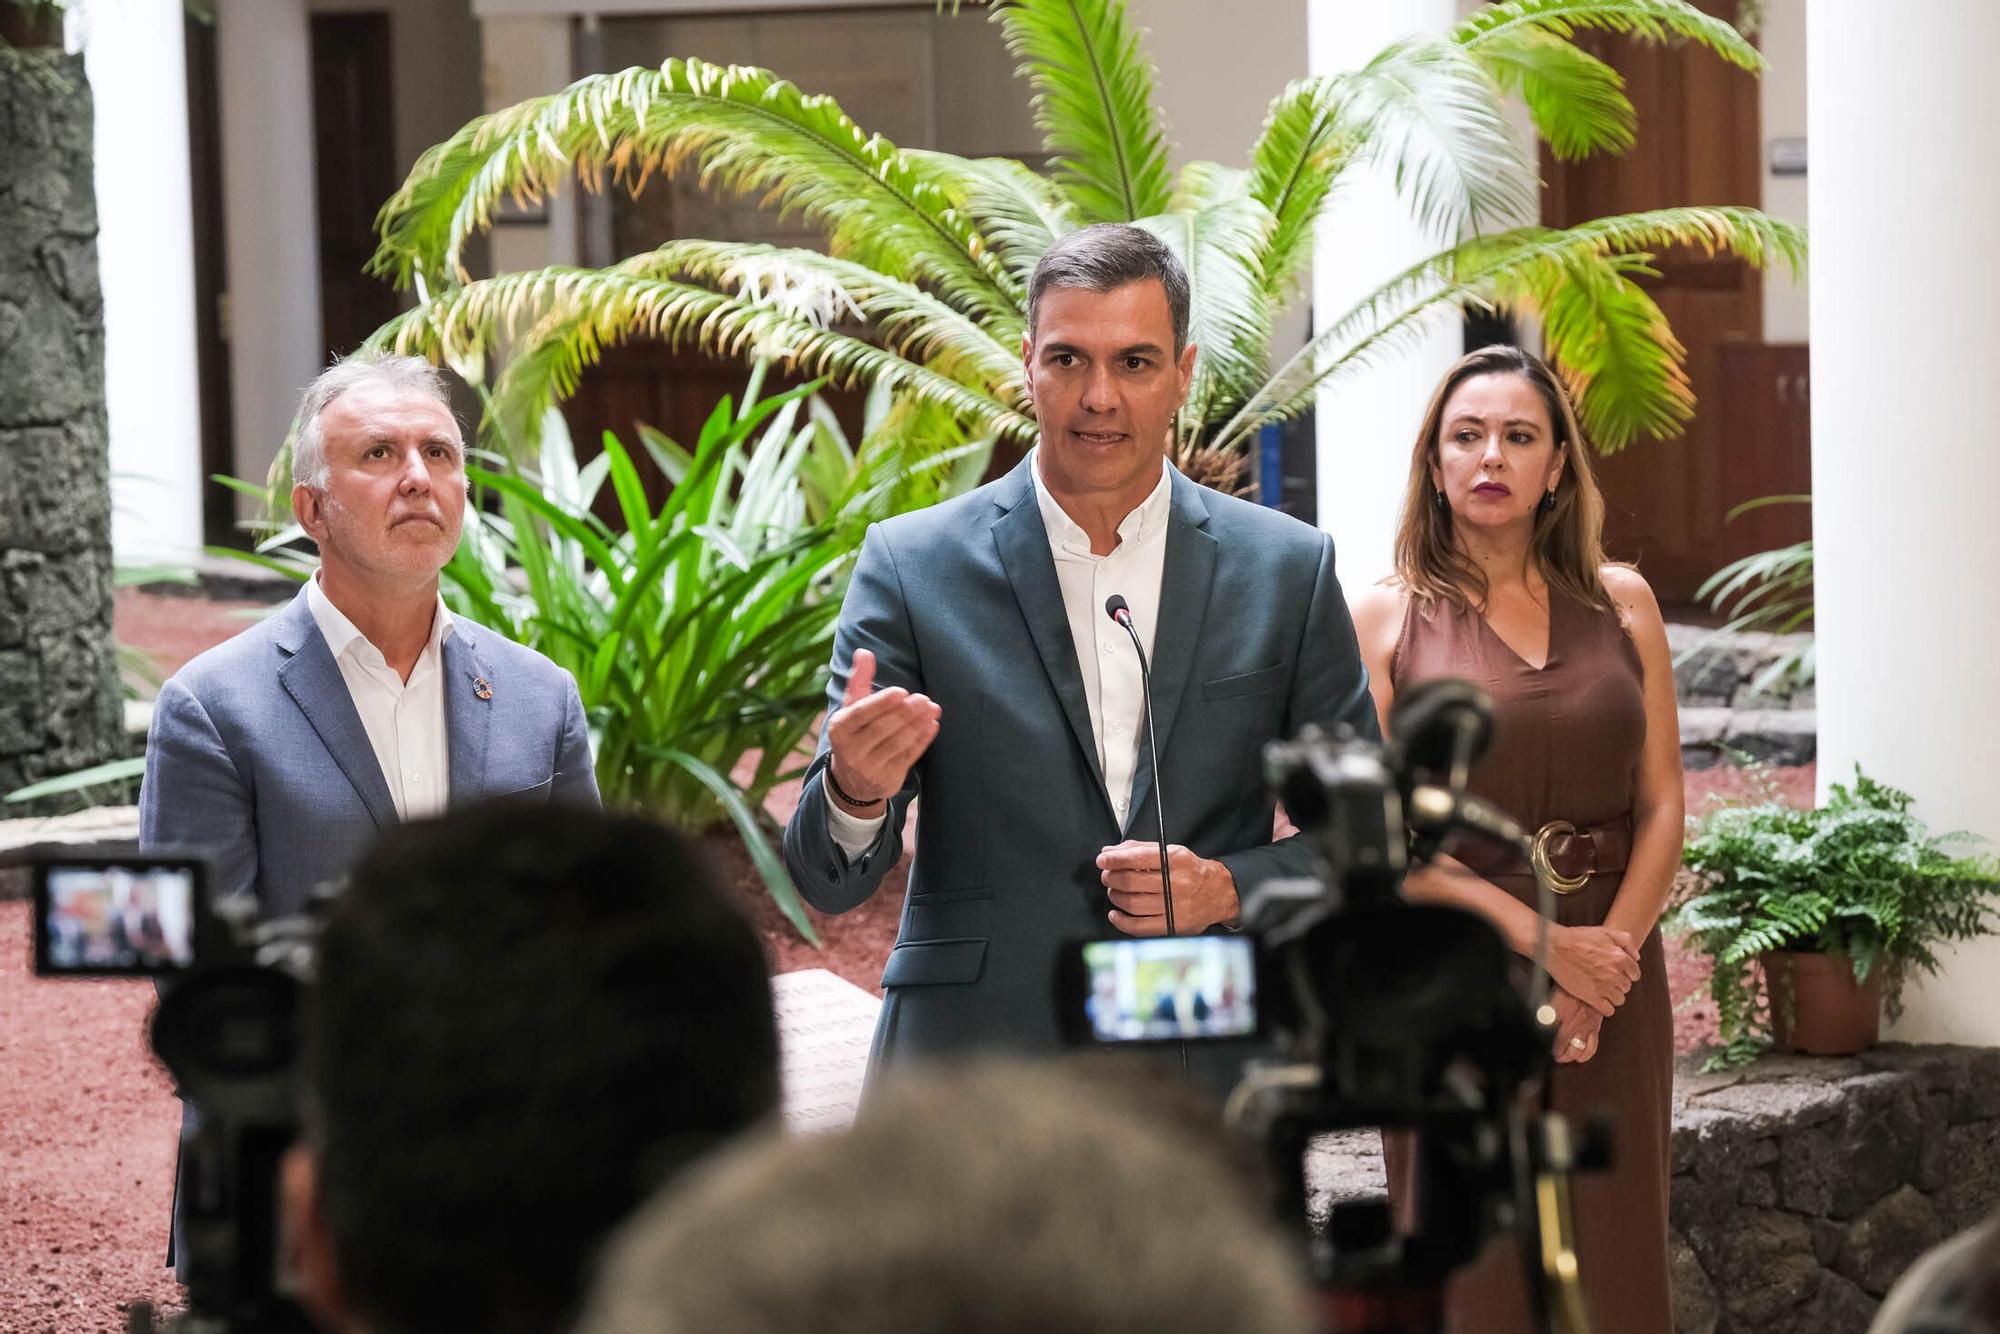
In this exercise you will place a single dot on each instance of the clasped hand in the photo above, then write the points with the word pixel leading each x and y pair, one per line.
pixel 1204 890
pixel 1595 964
pixel 876 735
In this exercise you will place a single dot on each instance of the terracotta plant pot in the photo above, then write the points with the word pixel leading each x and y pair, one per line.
pixel 1817 1008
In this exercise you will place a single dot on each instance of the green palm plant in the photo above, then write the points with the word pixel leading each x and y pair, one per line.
pixel 1768 590
pixel 698 627
pixel 922 287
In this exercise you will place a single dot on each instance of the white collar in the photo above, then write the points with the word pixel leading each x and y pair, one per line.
pixel 1067 534
pixel 343 636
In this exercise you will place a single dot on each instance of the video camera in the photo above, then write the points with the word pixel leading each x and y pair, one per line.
pixel 1384 1012
pixel 227 1030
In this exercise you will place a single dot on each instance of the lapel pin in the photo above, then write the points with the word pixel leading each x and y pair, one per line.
pixel 480 688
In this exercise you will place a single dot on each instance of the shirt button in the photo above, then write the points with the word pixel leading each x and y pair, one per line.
pixel 1109 648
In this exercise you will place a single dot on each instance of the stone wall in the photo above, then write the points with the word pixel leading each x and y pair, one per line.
pixel 1723 714
pixel 59 699
pixel 1803 1188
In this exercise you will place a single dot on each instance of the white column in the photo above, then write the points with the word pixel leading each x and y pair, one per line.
pixel 145 259
pixel 1368 423
pixel 1904 126
pixel 269 217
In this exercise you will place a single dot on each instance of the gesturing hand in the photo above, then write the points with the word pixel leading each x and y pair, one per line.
pixel 1204 890
pixel 875 736
pixel 1595 964
pixel 1577 1028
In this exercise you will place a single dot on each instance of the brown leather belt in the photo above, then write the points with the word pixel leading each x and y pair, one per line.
pixel 1569 855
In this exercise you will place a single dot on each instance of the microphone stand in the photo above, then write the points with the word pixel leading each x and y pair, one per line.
pixel 1119 612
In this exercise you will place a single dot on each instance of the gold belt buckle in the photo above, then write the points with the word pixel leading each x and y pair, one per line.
pixel 1540 860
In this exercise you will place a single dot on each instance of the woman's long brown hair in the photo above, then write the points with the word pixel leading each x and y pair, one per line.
pixel 1568 543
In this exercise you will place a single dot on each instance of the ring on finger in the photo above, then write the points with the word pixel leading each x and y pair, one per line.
pixel 1578 1043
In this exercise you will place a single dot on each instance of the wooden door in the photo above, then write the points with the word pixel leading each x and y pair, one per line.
pixel 1698 142
pixel 1765 397
pixel 354 151
pixel 211 276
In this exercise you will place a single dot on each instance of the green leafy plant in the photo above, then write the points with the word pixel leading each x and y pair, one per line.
pixel 1859 876
pixel 698 628
pixel 923 286
pixel 1768 590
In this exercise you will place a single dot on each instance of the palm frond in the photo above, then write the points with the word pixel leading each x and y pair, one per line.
pixel 1627 378
pixel 1577 101
pixel 1219 231
pixel 1019 212
pixel 1093 103
pixel 1649 20
pixel 1432 117
pixel 563 317
pixel 744 132
pixel 902 317
pixel 1305 140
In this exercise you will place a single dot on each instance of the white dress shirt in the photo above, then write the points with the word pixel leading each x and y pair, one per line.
pixel 404 719
pixel 1112 683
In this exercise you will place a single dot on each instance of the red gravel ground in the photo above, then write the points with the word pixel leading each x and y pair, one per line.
pixel 88 1120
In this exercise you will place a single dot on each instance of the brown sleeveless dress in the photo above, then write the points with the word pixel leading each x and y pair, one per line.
pixel 1566 746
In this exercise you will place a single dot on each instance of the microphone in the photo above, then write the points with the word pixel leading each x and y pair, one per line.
pixel 1115 608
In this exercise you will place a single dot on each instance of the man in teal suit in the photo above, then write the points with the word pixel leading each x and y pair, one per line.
pixel 975 665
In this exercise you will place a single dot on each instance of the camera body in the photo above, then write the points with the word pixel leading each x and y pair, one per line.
pixel 1382 1012
pixel 227 1030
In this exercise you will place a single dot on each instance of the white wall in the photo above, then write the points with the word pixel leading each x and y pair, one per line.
pixel 1781 97
pixel 1905 125
pixel 133 51
pixel 522 58
pixel 269 218
pixel 1367 424
pixel 1217 79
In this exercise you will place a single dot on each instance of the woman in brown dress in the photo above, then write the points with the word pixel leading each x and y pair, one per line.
pixel 1501 580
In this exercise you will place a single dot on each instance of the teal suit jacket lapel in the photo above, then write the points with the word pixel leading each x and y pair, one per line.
pixel 1185 581
pixel 1023 543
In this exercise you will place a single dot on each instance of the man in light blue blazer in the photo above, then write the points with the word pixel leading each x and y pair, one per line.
pixel 281 754
pixel 975 668
pixel 284 751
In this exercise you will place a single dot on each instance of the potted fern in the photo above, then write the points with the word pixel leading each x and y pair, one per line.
pixel 1813 919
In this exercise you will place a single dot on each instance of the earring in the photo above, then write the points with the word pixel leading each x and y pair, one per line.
pixel 1548 502
pixel 1442 503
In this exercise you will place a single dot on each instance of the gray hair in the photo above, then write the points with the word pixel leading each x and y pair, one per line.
pixel 364 367
pixel 992 1195
pixel 1106 256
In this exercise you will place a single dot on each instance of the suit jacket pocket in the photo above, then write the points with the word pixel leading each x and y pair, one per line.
pixel 923 963
pixel 532 794
pixel 1246 683
pixel 956 914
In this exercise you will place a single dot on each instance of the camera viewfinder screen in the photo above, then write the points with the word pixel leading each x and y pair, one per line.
pixel 117 919
pixel 1180 987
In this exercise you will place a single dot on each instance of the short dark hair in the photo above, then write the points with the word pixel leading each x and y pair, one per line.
pixel 1105 257
pixel 525 1019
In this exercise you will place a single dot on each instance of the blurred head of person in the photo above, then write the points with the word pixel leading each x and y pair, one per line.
pixel 1004 1198
pixel 525 1020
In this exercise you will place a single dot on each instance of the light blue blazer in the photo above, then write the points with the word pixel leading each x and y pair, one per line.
pixel 257 756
